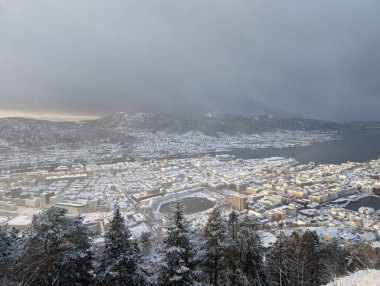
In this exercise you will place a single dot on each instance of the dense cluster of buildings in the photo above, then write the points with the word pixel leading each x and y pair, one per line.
pixel 149 145
pixel 317 196
pixel 275 191
pixel 163 144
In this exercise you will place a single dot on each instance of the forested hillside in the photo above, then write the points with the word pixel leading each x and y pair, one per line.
pixel 58 249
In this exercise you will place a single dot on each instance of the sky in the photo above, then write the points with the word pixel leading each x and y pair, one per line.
pixel 87 58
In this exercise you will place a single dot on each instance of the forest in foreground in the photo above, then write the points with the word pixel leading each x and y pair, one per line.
pixel 58 249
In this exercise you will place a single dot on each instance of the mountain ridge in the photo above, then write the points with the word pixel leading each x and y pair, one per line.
pixel 121 126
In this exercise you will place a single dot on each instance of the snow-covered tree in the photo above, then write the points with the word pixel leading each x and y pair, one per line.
pixel 361 255
pixel 277 261
pixel 214 243
pixel 178 266
pixel 232 251
pixel 145 243
pixel 243 253
pixel 334 261
pixel 311 258
pixel 296 260
pixel 56 250
pixel 10 247
pixel 251 253
pixel 120 261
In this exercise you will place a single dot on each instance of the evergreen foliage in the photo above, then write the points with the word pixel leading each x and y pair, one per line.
pixel 10 251
pixel 56 250
pixel 214 243
pixel 178 265
pixel 120 262
pixel 145 243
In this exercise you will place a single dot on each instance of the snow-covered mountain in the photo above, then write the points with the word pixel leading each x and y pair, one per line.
pixel 143 122
pixel 31 133
pixel 121 127
pixel 209 123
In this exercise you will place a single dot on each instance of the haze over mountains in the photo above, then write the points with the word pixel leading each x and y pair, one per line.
pixel 317 59
pixel 120 127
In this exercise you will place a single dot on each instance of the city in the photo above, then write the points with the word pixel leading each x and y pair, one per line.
pixel 275 191
pixel 189 143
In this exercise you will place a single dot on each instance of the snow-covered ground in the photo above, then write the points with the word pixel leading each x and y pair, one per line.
pixel 361 278
pixel 267 238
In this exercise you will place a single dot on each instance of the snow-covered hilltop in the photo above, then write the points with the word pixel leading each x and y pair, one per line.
pixel 210 123
pixel 31 133
pixel 123 127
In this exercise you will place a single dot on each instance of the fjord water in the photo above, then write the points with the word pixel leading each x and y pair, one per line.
pixel 356 147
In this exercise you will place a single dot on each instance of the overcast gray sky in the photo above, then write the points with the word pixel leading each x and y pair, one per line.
pixel 315 59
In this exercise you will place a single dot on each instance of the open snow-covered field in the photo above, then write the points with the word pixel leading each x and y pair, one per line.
pixel 361 278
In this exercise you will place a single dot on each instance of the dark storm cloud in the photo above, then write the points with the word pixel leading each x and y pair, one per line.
pixel 316 59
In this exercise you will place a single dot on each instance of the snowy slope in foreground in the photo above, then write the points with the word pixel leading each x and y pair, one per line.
pixel 361 278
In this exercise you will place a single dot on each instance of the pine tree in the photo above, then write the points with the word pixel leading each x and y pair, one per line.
pixel 214 239
pixel 178 265
pixel 233 253
pixel 56 250
pixel 10 247
pixel 145 243
pixel 233 225
pixel 121 260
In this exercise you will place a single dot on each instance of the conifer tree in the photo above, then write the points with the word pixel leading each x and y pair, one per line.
pixel 56 250
pixel 145 243
pixel 178 265
pixel 233 254
pixel 120 263
pixel 10 247
pixel 214 240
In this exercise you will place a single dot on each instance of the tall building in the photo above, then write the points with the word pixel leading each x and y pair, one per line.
pixel 45 199
pixel 239 203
